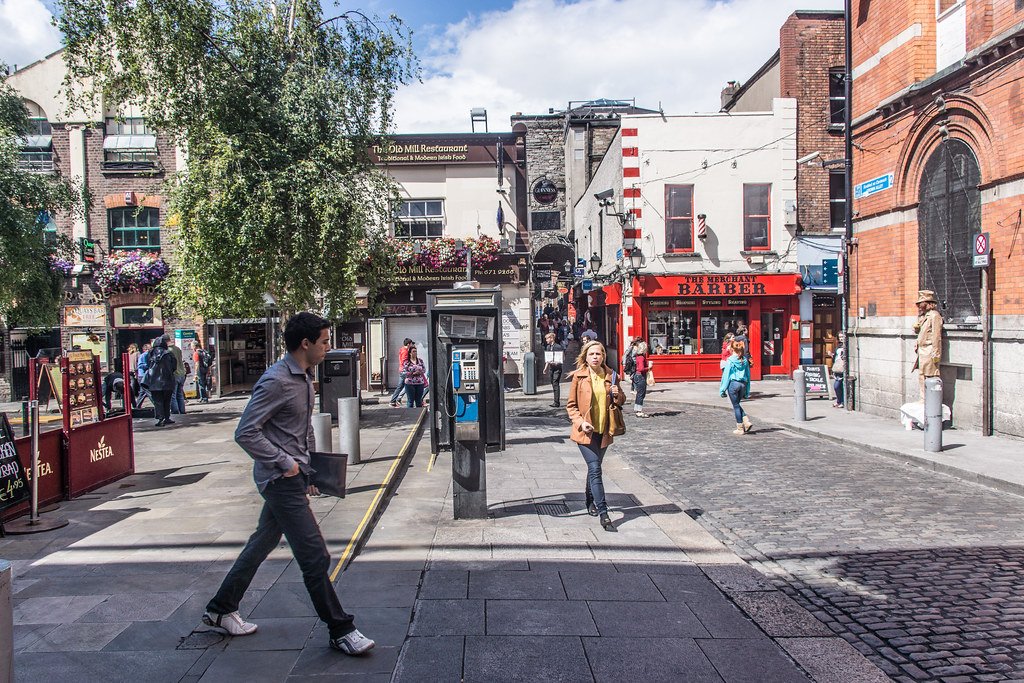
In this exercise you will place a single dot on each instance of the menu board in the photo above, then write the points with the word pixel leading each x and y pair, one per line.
pixel 13 483
pixel 83 393
pixel 816 378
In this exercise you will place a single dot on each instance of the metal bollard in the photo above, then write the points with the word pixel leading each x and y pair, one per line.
pixel 322 432
pixel 6 624
pixel 24 418
pixel 529 373
pixel 933 415
pixel 800 395
pixel 348 429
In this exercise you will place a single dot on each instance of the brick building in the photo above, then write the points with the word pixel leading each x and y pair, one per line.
pixel 121 167
pixel 938 128
pixel 809 67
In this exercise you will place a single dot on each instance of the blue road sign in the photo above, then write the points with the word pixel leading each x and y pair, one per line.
pixel 588 285
pixel 618 255
pixel 578 272
pixel 873 186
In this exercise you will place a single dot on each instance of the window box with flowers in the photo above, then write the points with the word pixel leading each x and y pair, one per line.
pixel 444 252
pixel 130 271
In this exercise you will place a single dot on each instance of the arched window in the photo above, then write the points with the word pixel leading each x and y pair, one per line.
pixel 37 143
pixel 948 217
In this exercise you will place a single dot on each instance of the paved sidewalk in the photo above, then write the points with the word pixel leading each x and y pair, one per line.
pixel 118 594
pixel 994 461
pixel 540 592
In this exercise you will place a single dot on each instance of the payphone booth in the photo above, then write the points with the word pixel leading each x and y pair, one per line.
pixel 467 393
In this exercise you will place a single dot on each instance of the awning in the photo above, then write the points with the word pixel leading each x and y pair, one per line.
pixel 43 142
pixel 129 142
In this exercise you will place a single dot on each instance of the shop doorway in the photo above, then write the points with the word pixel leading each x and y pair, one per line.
pixel 126 338
pixel 398 329
pixel 773 341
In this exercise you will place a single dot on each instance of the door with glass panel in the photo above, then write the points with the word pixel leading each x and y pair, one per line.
pixel 773 340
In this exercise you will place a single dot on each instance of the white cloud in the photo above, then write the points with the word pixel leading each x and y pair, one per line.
pixel 27 32
pixel 543 53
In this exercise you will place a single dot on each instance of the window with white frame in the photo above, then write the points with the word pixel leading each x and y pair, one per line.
pixel 756 216
pixel 420 219
pixel 950 32
pixel 678 218
pixel 837 199
pixel 36 153
pixel 129 145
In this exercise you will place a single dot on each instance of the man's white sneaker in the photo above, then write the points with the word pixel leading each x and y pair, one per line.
pixel 232 624
pixel 354 643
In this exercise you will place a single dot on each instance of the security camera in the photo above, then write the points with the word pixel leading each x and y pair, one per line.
pixel 607 194
pixel 810 157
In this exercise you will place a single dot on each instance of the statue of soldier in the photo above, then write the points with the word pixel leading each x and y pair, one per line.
pixel 929 337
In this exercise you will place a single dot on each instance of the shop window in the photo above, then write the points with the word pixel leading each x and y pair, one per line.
pixel 420 219
pixel 837 199
pixel 690 329
pixel 678 218
pixel 756 216
pixel 837 97
pixel 948 216
pixel 134 228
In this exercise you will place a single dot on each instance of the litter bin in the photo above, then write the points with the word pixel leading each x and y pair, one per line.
pixel 339 378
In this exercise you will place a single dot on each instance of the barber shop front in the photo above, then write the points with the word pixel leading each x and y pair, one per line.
pixel 685 318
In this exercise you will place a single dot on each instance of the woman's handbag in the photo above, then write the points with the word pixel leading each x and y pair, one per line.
pixel 616 422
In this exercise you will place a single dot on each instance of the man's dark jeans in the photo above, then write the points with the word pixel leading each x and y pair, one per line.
pixel 556 384
pixel 286 510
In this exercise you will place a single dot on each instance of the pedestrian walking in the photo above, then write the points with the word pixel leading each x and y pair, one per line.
pixel 736 385
pixel 159 380
pixel 131 374
pixel 415 378
pixel 403 355
pixel 141 365
pixel 639 381
pixel 203 362
pixel 554 367
pixel 726 349
pixel 180 373
pixel 594 389
pixel 276 431
pixel 839 370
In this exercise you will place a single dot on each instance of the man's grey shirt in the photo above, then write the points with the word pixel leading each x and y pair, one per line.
pixel 275 428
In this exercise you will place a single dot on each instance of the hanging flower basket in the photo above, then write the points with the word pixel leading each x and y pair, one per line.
pixel 60 265
pixel 444 252
pixel 130 271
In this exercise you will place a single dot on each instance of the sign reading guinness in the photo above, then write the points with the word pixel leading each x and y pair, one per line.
pixel 545 191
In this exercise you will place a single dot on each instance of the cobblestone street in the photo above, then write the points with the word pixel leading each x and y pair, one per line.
pixel 920 571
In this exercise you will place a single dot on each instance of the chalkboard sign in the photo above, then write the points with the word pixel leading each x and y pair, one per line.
pixel 13 483
pixel 709 328
pixel 816 377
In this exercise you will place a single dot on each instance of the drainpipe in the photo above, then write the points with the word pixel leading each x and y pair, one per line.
pixel 848 165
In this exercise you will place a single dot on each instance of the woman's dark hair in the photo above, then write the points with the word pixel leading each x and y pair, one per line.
pixel 161 342
pixel 303 326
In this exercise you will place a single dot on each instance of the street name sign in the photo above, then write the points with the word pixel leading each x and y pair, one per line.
pixel 873 186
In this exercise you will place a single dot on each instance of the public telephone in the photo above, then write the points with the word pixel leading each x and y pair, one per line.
pixel 466 382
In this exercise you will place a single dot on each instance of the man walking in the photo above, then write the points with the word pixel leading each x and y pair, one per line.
pixel 202 360
pixel 275 430
pixel 403 355
pixel 178 397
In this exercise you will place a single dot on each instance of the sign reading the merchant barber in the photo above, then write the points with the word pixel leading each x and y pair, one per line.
pixel 508 269
pixel 724 285
pixel 440 149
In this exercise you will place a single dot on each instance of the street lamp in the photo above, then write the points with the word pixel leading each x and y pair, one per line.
pixel 636 261
pixel 595 262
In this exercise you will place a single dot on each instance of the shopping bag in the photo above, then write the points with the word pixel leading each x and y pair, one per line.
pixel 650 378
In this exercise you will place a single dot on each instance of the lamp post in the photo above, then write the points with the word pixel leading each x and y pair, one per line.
pixel 636 261
pixel 595 263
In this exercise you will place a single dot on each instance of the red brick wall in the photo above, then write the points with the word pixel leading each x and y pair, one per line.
pixel 983 107
pixel 810 45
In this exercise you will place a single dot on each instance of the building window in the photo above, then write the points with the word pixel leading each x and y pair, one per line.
pixel 949 215
pixel 420 219
pixel 134 228
pixel 950 32
pixel 36 154
pixel 837 199
pixel 837 97
pixel 756 216
pixel 678 218
pixel 129 145
pixel 691 326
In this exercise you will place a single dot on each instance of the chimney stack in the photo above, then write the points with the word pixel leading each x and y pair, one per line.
pixel 728 91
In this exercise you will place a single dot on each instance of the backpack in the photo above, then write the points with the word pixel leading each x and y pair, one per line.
pixel 204 359
pixel 628 363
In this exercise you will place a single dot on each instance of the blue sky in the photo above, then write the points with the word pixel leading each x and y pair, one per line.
pixel 528 55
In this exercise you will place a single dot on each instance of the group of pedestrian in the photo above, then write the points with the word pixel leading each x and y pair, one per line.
pixel 158 372
pixel 412 376
pixel 553 322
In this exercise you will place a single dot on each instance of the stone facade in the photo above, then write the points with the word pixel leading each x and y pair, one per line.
pixel 912 106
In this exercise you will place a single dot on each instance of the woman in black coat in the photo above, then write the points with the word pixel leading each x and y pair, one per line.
pixel 159 379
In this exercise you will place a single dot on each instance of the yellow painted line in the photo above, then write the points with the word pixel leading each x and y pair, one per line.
pixel 433 459
pixel 376 498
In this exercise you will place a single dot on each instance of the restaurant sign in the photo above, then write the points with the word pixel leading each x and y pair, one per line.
pixel 506 270
pixel 437 149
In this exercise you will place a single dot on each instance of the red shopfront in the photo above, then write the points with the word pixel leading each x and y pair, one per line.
pixel 685 318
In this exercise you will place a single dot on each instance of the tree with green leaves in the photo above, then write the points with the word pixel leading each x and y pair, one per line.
pixel 277 108
pixel 30 284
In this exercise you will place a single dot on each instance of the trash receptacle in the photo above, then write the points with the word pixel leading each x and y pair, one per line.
pixel 339 378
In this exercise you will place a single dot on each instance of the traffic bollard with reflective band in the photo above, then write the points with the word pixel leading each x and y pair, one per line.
pixel 933 415
pixel 799 396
